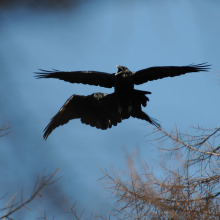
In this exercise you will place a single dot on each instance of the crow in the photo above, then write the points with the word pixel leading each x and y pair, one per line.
pixel 124 80
pixel 100 110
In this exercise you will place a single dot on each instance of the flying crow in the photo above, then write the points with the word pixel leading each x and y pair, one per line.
pixel 99 110
pixel 124 80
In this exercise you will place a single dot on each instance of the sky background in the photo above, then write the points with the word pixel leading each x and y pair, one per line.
pixel 97 35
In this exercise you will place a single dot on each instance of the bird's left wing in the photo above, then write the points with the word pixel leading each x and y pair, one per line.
pixel 72 108
pixel 85 77
pixel 97 110
pixel 154 73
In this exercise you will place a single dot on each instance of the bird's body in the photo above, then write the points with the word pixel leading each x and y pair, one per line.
pixel 99 110
pixel 123 82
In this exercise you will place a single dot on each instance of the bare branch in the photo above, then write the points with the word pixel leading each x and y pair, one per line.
pixel 3 129
pixel 40 184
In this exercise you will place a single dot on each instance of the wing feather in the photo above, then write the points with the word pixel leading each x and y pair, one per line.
pixel 72 109
pixel 85 77
pixel 96 110
pixel 154 73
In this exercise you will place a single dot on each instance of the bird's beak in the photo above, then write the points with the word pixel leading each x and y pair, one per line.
pixel 118 70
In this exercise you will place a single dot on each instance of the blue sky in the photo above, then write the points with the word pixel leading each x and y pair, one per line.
pixel 98 35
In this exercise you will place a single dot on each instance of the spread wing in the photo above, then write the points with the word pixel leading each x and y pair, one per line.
pixel 85 77
pixel 154 73
pixel 96 110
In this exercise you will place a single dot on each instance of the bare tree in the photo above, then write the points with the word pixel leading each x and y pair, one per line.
pixel 189 192
pixel 4 129
pixel 188 187
pixel 70 210
pixel 12 206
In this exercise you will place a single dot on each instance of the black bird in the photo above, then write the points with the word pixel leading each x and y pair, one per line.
pixel 99 110
pixel 124 80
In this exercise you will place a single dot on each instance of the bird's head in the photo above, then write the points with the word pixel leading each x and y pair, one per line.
pixel 121 69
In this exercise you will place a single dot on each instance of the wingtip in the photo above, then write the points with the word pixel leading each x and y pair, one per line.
pixel 39 75
pixel 202 66
pixel 155 123
pixel 46 134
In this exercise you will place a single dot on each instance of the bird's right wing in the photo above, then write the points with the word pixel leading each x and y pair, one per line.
pixel 85 77
pixel 159 72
